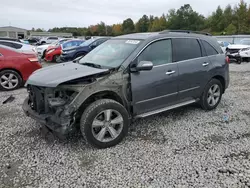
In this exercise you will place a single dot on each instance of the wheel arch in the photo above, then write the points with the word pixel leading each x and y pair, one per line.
pixel 222 81
pixel 105 94
pixel 13 69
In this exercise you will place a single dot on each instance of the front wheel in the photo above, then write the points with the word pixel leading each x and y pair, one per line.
pixel 104 123
pixel 57 59
pixel 212 94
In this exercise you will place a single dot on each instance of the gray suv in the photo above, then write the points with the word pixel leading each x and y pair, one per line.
pixel 127 77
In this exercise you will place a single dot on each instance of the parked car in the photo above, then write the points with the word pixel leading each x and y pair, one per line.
pixel 19 46
pixel 10 39
pixel 223 45
pixel 48 40
pixel 41 50
pixel 53 52
pixel 70 54
pixel 127 77
pixel 16 67
pixel 239 52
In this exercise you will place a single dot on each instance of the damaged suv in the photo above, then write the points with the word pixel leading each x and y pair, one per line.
pixel 127 77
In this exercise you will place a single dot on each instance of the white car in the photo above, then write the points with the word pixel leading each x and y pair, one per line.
pixel 48 40
pixel 239 51
pixel 42 48
pixel 19 46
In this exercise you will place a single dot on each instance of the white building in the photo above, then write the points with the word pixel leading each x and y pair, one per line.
pixel 13 32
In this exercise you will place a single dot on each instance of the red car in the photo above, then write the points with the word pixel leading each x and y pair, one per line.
pixel 53 53
pixel 16 67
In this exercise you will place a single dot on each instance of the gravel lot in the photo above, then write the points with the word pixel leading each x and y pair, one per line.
pixel 187 147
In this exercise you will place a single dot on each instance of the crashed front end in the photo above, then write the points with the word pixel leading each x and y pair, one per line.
pixel 52 107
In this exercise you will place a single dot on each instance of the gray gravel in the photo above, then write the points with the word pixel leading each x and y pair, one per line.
pixel 187 147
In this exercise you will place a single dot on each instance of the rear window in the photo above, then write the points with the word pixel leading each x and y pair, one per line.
pixel 186 48
pixel 209 49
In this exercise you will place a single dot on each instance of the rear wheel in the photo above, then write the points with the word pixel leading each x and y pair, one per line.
pixel 104 123
pixel 10 80
pixel 212 94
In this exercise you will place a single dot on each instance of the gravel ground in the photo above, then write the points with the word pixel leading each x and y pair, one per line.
pixel 186 147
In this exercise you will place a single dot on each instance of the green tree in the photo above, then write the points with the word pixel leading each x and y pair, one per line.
pixel 151 21
pixel 231 29
pixel 241 14
pixel 128 26
pixel 143 24
pixel 156 25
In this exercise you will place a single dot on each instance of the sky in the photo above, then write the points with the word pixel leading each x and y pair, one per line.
pixel 47 14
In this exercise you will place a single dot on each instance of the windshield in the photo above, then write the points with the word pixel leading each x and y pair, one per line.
pixel 245 42
pixel 87 42
pixel 111 53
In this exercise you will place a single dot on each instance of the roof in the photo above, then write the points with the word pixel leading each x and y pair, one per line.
pixel 7 28
pixel 155 35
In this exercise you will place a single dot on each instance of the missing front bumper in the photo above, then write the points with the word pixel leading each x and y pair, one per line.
pixel 67 127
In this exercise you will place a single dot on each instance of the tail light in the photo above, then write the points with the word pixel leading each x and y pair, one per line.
pixel 227 59
pixel 33 59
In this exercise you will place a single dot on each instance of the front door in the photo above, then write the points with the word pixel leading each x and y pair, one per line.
pixel 157 88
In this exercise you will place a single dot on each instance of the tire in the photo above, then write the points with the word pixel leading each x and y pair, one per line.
pixel 55 58
pixel 43 56
pixel 207 94
pixel 16 80
pixel 98 109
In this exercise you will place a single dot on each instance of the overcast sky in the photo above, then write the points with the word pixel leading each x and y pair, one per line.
pixel 81 13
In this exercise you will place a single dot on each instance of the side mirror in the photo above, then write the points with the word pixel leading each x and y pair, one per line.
pixel 144 66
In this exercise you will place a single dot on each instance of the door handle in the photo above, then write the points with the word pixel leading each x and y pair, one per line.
pixel 205 64
pixel 170 72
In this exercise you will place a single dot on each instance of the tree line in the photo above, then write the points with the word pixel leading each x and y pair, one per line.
pixel 230 20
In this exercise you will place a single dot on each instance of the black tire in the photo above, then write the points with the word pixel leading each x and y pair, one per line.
pixel 205 96
pixel 90 114
pixel 44 52
pixel 55 58
pixel 16 74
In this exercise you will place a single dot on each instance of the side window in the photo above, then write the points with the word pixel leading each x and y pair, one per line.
pixel 17 46
pixel 52 38
pixel 209 49
pixel 185 49
pixel 158 53
pixel 7 44
pixel 100 41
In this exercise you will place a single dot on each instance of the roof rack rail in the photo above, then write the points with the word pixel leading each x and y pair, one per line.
pixel 185 31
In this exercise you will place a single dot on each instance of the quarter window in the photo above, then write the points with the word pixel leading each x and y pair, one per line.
pixel 209 49
pixel 158 53
pixel 186 48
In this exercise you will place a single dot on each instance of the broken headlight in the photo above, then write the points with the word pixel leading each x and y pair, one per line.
pixel 61 97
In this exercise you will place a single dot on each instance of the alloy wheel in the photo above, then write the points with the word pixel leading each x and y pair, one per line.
pixel 107 125
pixel 9 81
pixel 213 95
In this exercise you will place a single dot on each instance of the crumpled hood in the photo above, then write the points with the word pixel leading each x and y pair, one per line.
pixel 237 46
pixel 54 75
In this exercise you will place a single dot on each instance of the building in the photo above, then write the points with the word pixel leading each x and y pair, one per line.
pixel 46 34
pixel 13 32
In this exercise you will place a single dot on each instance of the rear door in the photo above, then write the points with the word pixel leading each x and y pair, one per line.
pixel 193 67
pixel 157 88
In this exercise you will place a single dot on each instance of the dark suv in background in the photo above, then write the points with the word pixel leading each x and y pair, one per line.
pixel 70 54
pixel 127 77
